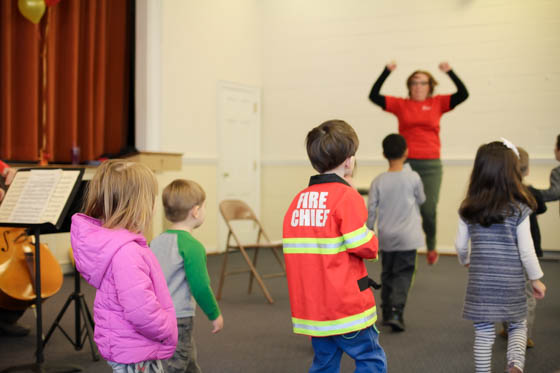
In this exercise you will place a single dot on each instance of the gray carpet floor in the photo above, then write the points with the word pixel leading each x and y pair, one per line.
pixel 257 336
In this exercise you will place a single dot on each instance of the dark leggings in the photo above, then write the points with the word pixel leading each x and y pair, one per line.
pixel 430 172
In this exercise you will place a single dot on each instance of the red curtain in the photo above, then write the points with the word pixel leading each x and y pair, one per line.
pixel 87 69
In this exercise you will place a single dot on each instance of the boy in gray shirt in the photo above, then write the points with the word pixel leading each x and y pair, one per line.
pixel 183 261
pixel 395 196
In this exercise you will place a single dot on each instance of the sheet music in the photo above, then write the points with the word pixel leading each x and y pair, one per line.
pixel 59 196
pixel 38 196
pixel 11 198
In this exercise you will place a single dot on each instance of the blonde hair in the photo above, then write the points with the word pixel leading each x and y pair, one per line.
pixel 523 160
pixel 180 197
pixel 122 195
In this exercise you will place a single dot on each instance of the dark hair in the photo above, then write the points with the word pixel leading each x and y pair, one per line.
pixel 394 146
pixel 558 142
pixel 431 80
pixel 330 144
pixel 495 186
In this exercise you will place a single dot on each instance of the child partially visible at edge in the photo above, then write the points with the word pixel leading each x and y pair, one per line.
pixel 494 216
pixel 183 260
pixel 394 201
pixel 536 235
pixel 325 243
pixel 553 191
pixel 135 326
pixel 9 325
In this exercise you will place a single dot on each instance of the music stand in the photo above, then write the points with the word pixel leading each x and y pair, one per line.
pixel 36 228
pixel 81 309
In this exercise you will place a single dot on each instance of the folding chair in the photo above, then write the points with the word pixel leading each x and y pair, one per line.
pixel 238 210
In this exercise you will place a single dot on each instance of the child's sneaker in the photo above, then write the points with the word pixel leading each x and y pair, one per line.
pixel 396 321
pixel 432 256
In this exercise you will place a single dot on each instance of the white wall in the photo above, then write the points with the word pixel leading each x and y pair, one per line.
pixel 204 42
pixel 316 60
pixel 322 57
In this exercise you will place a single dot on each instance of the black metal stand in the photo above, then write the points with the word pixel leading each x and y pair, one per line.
pixel 81 311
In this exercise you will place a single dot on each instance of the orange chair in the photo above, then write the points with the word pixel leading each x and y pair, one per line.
pixel 238 210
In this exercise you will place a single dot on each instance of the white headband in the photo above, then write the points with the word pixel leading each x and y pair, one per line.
pixel 510 145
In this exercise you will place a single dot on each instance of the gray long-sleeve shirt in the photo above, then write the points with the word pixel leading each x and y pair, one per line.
pixel 395 197
pixel 183 261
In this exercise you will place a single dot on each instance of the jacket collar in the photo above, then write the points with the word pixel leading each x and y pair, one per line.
pixel 326 178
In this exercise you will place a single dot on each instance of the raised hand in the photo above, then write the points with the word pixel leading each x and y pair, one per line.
pixel 392 65
pixel 445 67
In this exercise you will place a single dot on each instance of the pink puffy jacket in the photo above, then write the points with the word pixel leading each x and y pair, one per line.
pixel 133 311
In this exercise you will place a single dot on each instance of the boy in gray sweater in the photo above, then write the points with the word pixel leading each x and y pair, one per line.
pixel 183 261
pixel 395 197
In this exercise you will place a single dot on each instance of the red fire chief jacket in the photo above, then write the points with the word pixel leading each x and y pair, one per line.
pixel 325 240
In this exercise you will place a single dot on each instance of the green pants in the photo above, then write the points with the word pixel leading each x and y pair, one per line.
pixel 430 172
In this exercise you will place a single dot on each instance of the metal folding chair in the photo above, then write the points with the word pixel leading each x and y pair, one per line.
pixel 238 210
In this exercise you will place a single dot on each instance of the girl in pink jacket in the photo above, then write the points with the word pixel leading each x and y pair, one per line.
pixel 135 324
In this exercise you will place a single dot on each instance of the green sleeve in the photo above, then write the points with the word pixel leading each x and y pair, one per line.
pixel 194 258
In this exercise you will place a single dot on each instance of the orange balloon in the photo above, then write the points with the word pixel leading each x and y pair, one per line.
pixel 33 10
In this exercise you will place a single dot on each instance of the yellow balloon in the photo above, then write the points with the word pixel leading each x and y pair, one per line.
pixel 33 10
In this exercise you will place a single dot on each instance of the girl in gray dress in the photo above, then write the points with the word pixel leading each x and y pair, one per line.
pixel 495 218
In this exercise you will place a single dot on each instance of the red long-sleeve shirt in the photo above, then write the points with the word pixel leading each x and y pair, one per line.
pixel 419 123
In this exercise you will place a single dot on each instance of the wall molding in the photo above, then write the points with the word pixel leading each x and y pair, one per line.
pixel 370 161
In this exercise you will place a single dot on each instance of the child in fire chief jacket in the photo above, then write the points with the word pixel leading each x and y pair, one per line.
pixel 325 242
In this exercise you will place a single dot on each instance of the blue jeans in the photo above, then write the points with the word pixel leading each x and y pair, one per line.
pixel 362 346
